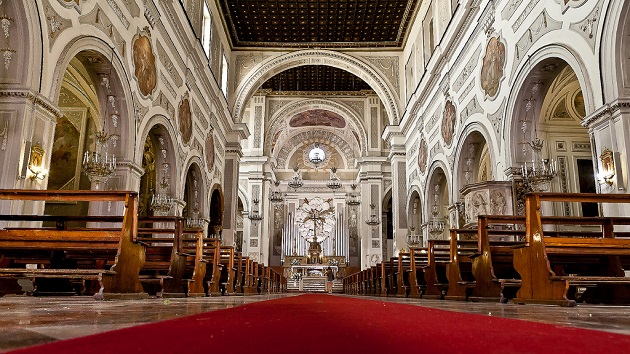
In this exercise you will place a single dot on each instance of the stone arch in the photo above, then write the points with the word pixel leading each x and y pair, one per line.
pixel 437 175
pixel 279 118
pixel 465 137
pixel 215 211
pixel 361 69
pixel 615 49
pixel 513 112
pixel 159 137
pixel 119 81
pixel 414 211
pixel 296 141
pixel 24 39
pixel 187 189
pixel 169 130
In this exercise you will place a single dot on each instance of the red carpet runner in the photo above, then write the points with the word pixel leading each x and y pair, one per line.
pixel 333 324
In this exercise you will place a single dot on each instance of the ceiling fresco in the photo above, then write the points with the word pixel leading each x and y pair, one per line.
pixel 317 117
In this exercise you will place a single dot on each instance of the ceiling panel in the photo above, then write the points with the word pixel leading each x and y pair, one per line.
pixel 319 78
pixel 317 23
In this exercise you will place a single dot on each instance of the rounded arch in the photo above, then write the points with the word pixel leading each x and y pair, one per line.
pixel 166 126
pixel 615 49
pixel 463 151
pixel 414 210
pixel 301 137
pixel 194 191
pixel 26 62
pixel 119 80
pixel 270 67
pixel 215 212
pixel 279 118
pixel 536 61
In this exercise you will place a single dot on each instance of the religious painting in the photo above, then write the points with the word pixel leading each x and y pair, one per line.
pixel 67 147
pixel 317 117
pixel 492 67
pixel 423 154
pixel 144 63
pixel 210 152
pixel 185 120
pixel 448 123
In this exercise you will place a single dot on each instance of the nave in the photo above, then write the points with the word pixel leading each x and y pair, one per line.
pixel 29 321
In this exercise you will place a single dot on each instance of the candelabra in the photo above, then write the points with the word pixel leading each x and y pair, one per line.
pixel 373 220
pixel 194 221
pixel 353 199
pixel 97 165
pixel 296 181
pixel 276 195
pixel 255 214
pixel 334 182
pixel 539 174
pixel 162 203
pixel 436 225
pixel 413 239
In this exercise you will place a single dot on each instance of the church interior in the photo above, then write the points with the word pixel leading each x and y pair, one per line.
pixel 170 161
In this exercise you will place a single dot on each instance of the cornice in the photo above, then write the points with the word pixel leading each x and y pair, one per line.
pixel 35 98
pixel 605 111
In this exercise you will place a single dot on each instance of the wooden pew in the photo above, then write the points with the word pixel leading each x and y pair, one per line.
pixel 417 261
pixel 438 256
pixel 202 264
pixel 550 266
pixel 403 268
pixel 120 257
pixel 459 268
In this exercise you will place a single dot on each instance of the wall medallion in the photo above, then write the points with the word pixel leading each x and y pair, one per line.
pixel 492 67
pixel 423 154
pixel 144 63
pixel 185 120
pixel 448 123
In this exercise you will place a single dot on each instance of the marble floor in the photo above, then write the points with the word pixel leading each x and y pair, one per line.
pixel 27 321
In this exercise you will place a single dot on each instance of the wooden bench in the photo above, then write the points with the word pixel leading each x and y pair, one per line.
pixel 461 281
pixel 110 257
pixel 434 272
pixel 551 265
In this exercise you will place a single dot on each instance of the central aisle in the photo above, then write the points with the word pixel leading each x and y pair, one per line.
pixel 319 323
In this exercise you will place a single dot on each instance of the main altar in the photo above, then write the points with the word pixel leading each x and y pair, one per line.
pixel 314 247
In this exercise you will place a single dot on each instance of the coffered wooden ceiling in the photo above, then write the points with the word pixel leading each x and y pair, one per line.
pixel 318 78
pixel 318 23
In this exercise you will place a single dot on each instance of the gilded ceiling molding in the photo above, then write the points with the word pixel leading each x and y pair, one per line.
pixel 270 67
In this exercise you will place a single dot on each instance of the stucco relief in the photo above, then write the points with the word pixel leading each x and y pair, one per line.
pixel 317 117
pixel 185 120
pixel 423 154
pixel 210 152
pixel 144 64
pixel 492 67
pixel 449 119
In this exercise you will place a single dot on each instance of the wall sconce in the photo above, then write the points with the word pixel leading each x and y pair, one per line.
pixel 608 167
pixel 36 163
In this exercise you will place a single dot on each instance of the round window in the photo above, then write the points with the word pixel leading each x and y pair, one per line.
pixel 316 155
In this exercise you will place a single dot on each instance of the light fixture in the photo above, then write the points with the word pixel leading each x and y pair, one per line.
pixel 255 214
pixel 539 174
pixel 276 195
pixel 161 203
pixel 541 171
pixel 36 163
pixel 353 199
pixel 436 225
pixel 414 239
pixel 608 167
pixel 316 155
pixel 97 164
pixel 194 221
pixel 296 181
pixel 373 220
pixel 469 161
pixel 334 182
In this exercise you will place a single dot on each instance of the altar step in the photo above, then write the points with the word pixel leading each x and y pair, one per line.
pixel 313 285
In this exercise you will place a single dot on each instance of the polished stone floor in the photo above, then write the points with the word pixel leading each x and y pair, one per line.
pixel 27 321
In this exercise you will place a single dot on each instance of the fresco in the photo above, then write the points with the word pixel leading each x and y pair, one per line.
pixel 185 120
pixel 448 123
pixel 492 67
pixel 317 117
pixel 144 63
pixel 64 154
pixel 422 155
